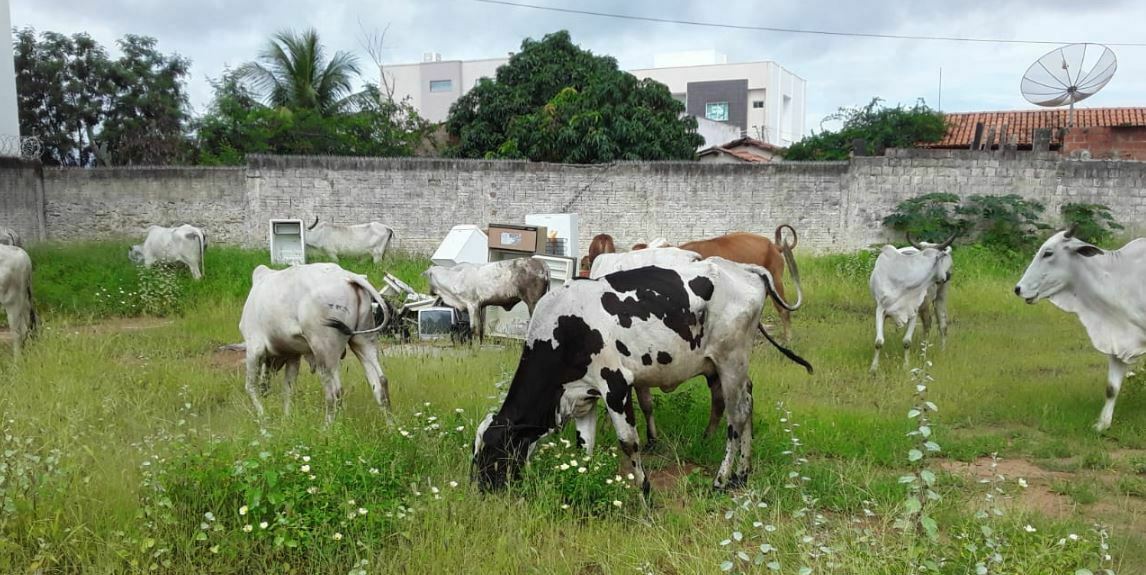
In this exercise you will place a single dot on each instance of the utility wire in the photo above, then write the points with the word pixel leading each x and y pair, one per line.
pixel 791 30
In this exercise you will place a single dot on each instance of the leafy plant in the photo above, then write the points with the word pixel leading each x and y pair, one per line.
pixel 1003 222
pixel 880 128
pixel 556 102
pixel 589 485
pixel 930 217
pixel 1093 222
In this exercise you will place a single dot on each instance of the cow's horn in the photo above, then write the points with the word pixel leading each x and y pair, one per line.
pixel 947 242
pixel 311 226
pixel 912 241
pixel 1070 230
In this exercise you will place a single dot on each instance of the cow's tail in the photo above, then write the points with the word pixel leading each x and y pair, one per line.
pixel 787 352
pixel 202 252
pixel 33 319
pixel 770 286
pixel 360 283
pixel 780 243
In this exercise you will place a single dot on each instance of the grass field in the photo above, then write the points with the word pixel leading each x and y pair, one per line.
pixel 129 445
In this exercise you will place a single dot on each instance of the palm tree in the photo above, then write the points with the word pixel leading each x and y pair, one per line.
pixel 292 72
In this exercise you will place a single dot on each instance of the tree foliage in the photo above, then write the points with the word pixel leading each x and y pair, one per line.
pixel 292 72
pixel 879 126
pixel 237 124
pixel 555 102
pixel 89 109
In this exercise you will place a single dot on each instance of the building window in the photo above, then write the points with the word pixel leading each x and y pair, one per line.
pixel 716 111
pixel 758 104
pixel 441 85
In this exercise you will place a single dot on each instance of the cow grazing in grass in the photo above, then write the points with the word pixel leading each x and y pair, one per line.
pixel 9 237
pixel 16 294
pixel 361 239
pixel 1105 289
pixel 184 244
pixel 753 249
pixel 311 311
pixel 473 287
pixel 900 284
pixel 646 327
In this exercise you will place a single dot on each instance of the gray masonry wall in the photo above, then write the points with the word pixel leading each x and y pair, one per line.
pixel 836 206
pixel 21 198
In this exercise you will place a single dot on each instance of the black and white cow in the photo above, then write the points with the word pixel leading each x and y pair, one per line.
pixel 646 327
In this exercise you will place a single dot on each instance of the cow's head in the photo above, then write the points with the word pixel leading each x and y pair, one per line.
pixel 135 254
pixel 940 256
pixel 1052 270
pixel 499 452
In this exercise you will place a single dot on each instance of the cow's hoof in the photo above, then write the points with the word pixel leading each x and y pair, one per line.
pixel 1101 426
pixel 650 446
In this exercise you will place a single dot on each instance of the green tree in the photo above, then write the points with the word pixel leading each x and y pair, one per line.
pixel 879 126
pixel 555 102
pixel 292 72
pixel 89 109
pixel 1093 222
pixel 930 217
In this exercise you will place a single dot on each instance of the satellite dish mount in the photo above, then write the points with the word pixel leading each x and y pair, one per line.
pixel 1067 75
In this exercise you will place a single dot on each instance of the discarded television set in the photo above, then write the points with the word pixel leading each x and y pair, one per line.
pixel 437 322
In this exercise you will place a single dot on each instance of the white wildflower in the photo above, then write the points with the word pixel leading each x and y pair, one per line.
pixel 453 484
pixel 564 467
pixel 617 503
pixel 210 516
pixel 247 528
pixel 243 510
pixel 306 459
pixel 362 511
pixel 337 537
pixel 305 469
pixel 581 470
pixel 1073 537
pixel 312 490
pixel 1022 483
pixel 264 525
pixel 1029 529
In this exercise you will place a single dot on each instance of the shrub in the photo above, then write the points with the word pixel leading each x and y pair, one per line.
pixel 1094 222
pixel 880 127
pixel 930 217
pixel 1006 223
pixel 588 485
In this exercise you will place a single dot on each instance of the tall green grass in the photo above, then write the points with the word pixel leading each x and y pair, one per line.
pixel 117 444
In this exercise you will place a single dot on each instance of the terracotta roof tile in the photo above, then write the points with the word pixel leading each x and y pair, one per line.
pixel 1022 123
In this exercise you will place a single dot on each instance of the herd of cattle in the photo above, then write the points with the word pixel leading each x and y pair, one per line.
pixel 651 317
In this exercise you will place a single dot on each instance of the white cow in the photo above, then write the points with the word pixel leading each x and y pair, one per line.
pixel 1105 289
pixel 311 311
pixel 473 287
pixel 9 237
pixel 935 304
pixel 650 327
pixel 900 284
pixel 185 244
pixel 372 238
pixel 16 294
pixel 606 264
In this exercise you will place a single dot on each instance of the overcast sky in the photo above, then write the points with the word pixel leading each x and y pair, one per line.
pixel 840 71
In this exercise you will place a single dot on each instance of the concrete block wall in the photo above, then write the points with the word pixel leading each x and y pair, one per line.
pixel 836 206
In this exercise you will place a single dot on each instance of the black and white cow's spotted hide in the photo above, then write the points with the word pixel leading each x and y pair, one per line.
pixel 647 327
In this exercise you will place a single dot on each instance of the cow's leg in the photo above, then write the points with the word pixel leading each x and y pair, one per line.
pixel 737 391
pixel 645 399
pixel 717 409
pixel 196 274
pixel 879 317
pixel 907 337
pixel 941 314
pixel 925 316
pixel 332 390
pixel 367 352
pixel 290 375
pixel 1115 374
pixel 256 357
pixel 587 429
pixel 626 426
pixel 475 322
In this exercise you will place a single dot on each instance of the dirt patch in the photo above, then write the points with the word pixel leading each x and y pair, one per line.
pixel 670 476
pixel 229 357
pixel 1012 469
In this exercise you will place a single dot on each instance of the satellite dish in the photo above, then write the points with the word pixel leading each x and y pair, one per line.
pixel 1067 75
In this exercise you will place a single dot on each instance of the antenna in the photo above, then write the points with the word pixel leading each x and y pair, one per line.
pixel 1067 75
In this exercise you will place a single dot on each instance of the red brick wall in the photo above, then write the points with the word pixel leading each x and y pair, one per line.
pixel 1107 143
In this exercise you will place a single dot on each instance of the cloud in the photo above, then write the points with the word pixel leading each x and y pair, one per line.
pixel 840 71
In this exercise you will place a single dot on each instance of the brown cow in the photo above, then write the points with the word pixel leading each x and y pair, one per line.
pixel 749 248
pixel 601 244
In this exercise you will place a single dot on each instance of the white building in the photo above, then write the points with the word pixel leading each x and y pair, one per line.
pixel 761 100
pixel 764 100
pixel 433 84
pixel 9 117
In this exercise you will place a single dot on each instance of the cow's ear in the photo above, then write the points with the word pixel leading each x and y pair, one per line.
pixel 1089 251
